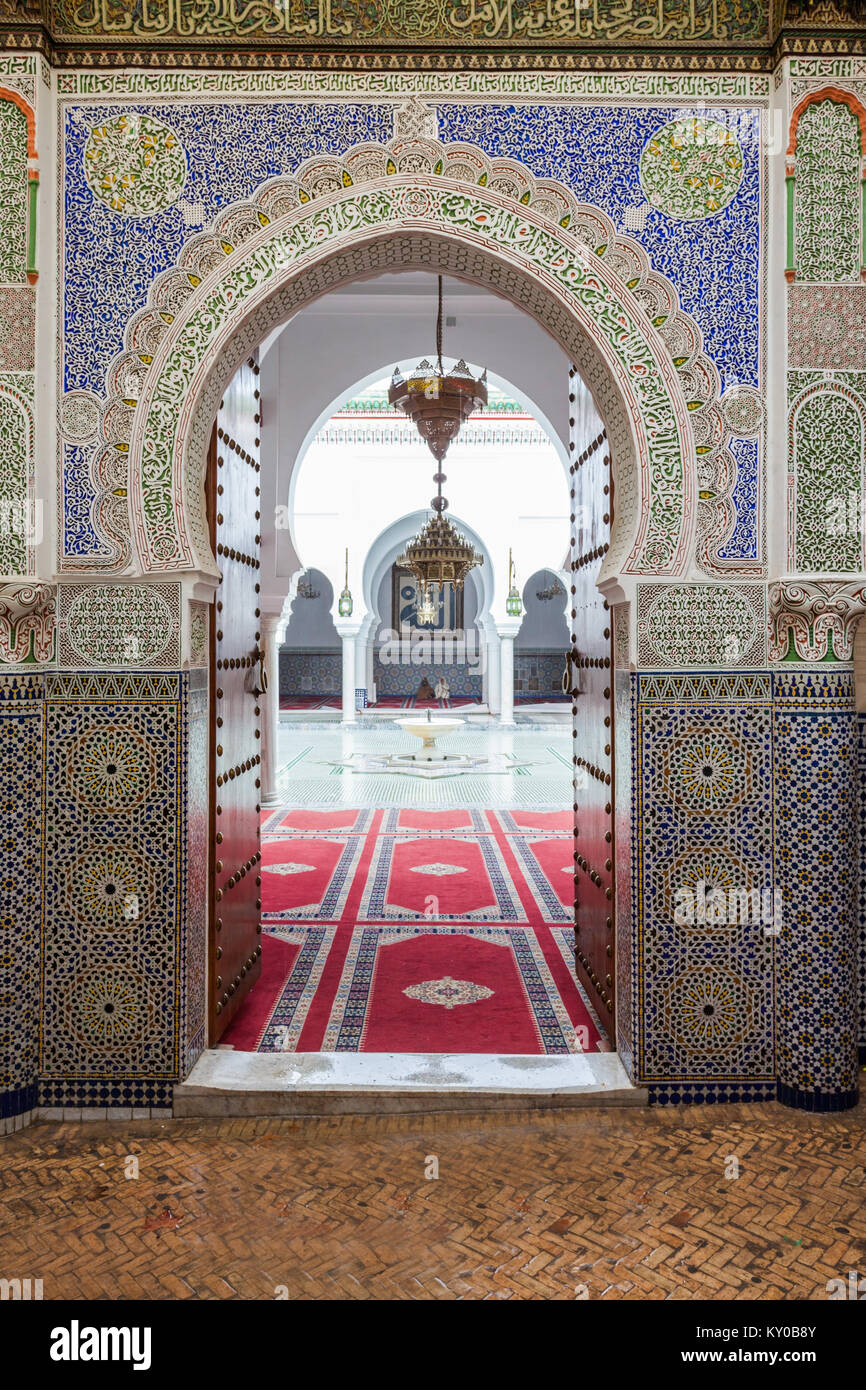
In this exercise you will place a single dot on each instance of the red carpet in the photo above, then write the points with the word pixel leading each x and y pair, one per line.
pixel 317 822
pixel 422 990
pixel 302 702
pixel 412 702
pixel 543 697
pixel 309 702
pixel 416 931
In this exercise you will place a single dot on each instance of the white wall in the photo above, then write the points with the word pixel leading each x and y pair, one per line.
pixel 513 495
pixel 544 626
pixel 311 623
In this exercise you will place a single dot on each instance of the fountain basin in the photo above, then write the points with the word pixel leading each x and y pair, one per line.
pixel 428 730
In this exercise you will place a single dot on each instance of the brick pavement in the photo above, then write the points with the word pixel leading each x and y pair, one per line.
pixel 607 1204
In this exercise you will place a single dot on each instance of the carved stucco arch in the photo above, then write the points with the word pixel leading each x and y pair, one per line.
pixel 853 402
pixel 413 204
pixel 29 115
pixel 828 94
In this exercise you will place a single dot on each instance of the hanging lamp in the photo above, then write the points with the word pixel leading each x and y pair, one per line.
pixel 513 603
pixel 438 404
pixel 436 401
pixel 346 603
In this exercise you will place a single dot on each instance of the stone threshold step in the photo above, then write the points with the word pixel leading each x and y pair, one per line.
pixel 228 1083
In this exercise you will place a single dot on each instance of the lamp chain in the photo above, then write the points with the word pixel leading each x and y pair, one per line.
pixel 439 328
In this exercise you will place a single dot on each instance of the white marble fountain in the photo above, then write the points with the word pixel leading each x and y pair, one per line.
pixel 428 730
pixel 429 761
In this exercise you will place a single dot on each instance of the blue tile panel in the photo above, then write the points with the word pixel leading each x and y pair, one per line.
pixel 110 260
pixel 715 263
pixel 817 805
pixel 703 814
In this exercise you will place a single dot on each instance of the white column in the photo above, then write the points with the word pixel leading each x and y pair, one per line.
pixel 270 707
pixel 360 661
pixel 492 664
pixel 371 669
pixel 506 681
pixel 507 634
pixel 348 635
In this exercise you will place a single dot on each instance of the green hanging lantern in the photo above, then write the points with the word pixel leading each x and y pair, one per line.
pixel 513 603
pixel 346 603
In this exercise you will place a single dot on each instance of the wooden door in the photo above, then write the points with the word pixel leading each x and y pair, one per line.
pixel 592 708
pixel 234 500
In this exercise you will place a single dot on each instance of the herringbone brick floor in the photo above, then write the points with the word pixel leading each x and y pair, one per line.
pixel 595 1203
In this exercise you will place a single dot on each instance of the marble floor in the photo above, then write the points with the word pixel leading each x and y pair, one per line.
pixel 537 750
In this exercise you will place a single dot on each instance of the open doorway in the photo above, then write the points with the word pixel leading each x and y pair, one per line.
pixel 423 911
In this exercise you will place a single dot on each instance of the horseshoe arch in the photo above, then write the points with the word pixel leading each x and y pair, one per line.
pixel 409 205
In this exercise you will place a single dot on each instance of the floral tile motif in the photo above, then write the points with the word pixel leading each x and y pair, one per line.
pixel 826 472
pixel 135 165
pixel 17 329
pixel 20 515
pixel 119 625
pixel 827 209
pixel 14 144
pixel 199 618
pixel 701 625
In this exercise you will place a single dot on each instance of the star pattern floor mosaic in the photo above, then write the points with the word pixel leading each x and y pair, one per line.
pixel 417 930
pixel 540 754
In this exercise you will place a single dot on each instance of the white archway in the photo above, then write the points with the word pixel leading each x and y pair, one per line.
pixel 481 581
pixel 346 486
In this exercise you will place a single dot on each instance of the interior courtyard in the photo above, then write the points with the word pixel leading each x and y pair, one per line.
pixel 432 676
pixel 413 905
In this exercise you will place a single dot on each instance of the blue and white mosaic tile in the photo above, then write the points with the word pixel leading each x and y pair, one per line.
pixel 715 262
pixel 703 814
pixel 110 258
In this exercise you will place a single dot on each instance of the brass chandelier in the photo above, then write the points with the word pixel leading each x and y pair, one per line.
pixel 436 401
pixel 438 404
